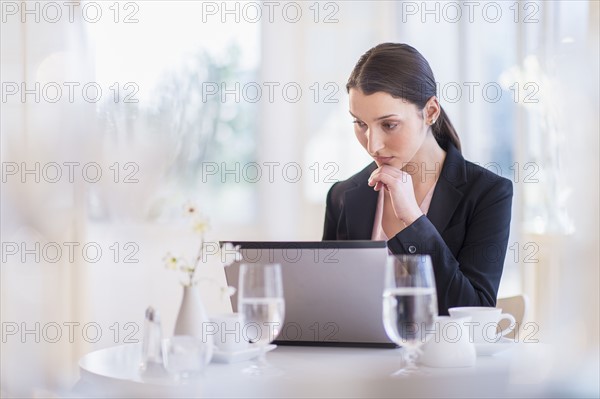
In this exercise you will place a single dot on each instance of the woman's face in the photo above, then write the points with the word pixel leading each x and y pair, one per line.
pixel 391 129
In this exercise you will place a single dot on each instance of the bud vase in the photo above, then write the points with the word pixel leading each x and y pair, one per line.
pixel 192 318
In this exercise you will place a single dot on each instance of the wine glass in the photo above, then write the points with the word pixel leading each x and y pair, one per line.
pixel 409 305
pixel 260 301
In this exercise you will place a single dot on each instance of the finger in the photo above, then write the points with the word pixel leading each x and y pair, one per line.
pixel 375 184
pixel 373 178
pixel 382 179
pixel 393 173
pixel 380 186
pixel 388 169
pixel 370 182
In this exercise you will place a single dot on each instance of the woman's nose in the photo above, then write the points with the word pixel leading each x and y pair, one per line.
pixel 374 141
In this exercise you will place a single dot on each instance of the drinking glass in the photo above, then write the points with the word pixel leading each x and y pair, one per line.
pixel 185 357
pixel 409 305
pixel 260 301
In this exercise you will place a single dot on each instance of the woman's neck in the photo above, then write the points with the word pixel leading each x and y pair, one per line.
pixel 427 163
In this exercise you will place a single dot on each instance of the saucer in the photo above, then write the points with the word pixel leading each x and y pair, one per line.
pixel 492 348
pixel 239 356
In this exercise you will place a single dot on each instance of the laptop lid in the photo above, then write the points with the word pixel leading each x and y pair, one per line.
pixel 332 290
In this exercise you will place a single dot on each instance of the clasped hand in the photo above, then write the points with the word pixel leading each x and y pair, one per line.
pixel 399 185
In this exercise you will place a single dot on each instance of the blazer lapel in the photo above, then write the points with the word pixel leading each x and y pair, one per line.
pixel 446 195
pixel 361 200
pixel 361 204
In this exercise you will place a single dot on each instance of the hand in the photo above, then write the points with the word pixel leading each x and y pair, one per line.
pixel 400 187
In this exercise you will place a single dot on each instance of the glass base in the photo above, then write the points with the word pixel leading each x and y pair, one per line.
pixel 260 367
pixel 409 365
pixel 408 371
pixel 262 370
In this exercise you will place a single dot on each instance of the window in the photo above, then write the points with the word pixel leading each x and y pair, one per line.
pixel 174 122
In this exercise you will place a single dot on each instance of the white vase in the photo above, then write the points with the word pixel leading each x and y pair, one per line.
pixel 192 318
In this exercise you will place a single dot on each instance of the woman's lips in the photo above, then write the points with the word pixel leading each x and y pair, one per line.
pixel 383 160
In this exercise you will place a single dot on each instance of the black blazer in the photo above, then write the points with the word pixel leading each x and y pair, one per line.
pixel 465 230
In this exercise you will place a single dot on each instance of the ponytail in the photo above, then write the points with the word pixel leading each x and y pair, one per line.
pixel 444 132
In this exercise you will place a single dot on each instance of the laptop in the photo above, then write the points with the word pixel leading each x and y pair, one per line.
pixel 332 290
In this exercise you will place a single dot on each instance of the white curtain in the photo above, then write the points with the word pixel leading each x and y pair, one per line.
pixel 43 290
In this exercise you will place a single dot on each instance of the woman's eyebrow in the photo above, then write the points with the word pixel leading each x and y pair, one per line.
pixel 378 119
pixel 385 116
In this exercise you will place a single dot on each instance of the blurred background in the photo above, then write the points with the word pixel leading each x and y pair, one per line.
pixel 116 114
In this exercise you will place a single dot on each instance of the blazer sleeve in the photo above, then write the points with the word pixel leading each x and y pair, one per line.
pixel 473 276
pixel 332 215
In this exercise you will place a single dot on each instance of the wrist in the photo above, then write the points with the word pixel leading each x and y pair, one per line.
pixel 410 218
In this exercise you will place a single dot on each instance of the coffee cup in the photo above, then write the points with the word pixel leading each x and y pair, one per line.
pixel 227 330
pixel 484 322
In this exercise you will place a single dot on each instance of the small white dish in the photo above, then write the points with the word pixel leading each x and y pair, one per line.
pixel 492 348
pixel 239 356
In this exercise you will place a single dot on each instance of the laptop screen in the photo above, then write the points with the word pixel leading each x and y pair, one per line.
pixel 332 289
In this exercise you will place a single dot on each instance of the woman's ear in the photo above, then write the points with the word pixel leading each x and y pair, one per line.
pixel 432 110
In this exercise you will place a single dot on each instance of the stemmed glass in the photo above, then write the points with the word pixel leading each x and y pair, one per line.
pixel 260 301
pixel 409 305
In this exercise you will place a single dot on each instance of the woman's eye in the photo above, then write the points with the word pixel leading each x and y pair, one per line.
pixel 390 126
pixel 360 124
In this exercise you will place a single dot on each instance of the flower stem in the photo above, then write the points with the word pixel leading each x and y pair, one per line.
pixel 198 258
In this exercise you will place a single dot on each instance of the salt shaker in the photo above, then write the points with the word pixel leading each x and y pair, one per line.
pixel 152 358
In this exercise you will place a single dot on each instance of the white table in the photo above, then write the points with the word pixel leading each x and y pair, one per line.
pixel 307 372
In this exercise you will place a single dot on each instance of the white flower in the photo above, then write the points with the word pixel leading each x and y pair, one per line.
pixel 171 261
pixel 190 209
pixel 230 254
pixel 227 291
pixel 200 225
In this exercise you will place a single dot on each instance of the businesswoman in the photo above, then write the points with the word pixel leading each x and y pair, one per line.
pixel 420 194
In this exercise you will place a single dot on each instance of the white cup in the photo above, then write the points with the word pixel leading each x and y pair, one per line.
pixel 228 329
pixel 484 322
pixel 449 344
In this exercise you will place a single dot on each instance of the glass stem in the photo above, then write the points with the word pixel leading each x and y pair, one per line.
pixel 261 359
pixel 410 358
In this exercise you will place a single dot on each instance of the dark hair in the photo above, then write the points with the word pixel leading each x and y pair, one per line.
pixel 401 71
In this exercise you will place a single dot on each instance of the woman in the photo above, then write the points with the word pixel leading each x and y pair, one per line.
pixel 420 195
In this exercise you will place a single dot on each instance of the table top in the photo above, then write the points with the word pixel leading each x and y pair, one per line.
pixel 305 372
